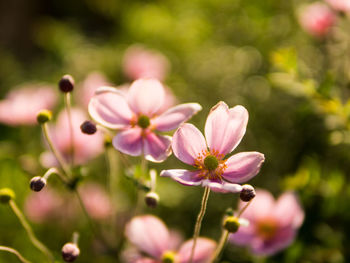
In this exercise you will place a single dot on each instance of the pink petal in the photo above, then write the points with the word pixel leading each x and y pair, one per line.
pixel 203 252
pixel 188 143
pixel 244 235
pixel 283 238
pixel 156 147
pixel 184 177
pixel 222 187
pixel 243 166
pixel 172 118
pixel 146 96
pixel 261 206
pixel 109 108
pixel 149 234
pixel 129 141
pixel 225 128
pixel 146 260
pixel 288 211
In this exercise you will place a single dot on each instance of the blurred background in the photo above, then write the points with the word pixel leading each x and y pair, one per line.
pixel 292 74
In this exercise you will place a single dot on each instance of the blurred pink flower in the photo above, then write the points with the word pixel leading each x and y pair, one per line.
pixel 88 87
pixel 224 129
pixel 135 115
pixel 151 237
pixel 86 147
pixel 96 201
pixel 340 5
pixel 139 63
pixel 43 206
pixel 21 106
pixel 272 224
pixel 317 19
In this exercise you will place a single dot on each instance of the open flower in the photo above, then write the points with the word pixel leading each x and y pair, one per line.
pixel 140 62
pixel 224 130
pixel 151 237
pixel 317 19
pixel 21 106
pixel 272 224
pixel 86 147
pixel 135 115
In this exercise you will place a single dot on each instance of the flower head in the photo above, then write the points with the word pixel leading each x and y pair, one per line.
pixel 151 237
pixel 136 117
pixel 317 19
pixel 272 224
pixel 85 146
pixel 20 107
pixel 224 130
pixel 139 63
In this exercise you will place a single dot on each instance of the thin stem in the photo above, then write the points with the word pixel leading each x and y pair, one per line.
pixel 30 232
pixel 67 102
pixel 197 227
pixel 220 246
pixel 244 208
pixel 15 252
pixel 82 205
pixel 112 167
pixel 75 238
pixel 53 149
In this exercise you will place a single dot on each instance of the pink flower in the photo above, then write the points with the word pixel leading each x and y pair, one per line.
pixel 340 5
pixel 96 201
pixel 86 147
pixel 224 129
pixel 317 19
pixel 42 206
pixel 21 106
pixel 87 89
pixel 272 224
pixel 139 63
pixel 151 237
pixel 135 115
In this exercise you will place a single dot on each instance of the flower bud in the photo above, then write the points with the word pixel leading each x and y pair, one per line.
pixel 247 193
pixel 152 199
pixel 43 116
pixel 231 224
pixel 6 194
pixel 88 127
pixel 70 252
pixel 37 183
pixel 66 84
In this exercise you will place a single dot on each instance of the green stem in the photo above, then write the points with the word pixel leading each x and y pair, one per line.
pixel 220 246
pixel 67 102
pixel 15 252
pixel 53 149
pixel 198 225
pixel 82 205
pixel 75 238
pixel 30 232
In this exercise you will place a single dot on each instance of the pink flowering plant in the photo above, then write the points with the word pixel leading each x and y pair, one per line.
pixel 133 129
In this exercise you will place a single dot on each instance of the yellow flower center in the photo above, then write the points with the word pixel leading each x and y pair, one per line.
pixel 168 257
pixel 210 164
pixel 267 228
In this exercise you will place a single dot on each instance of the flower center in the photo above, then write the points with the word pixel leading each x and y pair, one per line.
pixel 143 121
pixel 267 229
pixel 211 162
pixel 168 257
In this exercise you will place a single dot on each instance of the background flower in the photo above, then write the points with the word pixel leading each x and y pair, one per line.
pixel 273 225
